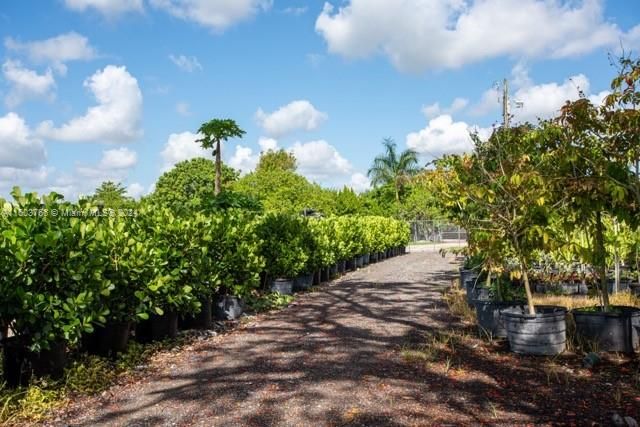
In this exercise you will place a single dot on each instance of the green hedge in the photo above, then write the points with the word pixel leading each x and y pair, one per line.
pixel 60 275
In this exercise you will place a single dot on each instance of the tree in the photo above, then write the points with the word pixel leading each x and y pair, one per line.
pixel 111 195
pixel 277 160
pixel 214 132
pixel 190 184
pixel 393 169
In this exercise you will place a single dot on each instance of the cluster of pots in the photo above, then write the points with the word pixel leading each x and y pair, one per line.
pixel 545 333
pixel 20 364
pixel 301 283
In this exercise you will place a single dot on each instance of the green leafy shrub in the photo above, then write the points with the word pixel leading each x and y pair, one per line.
pixel 283 244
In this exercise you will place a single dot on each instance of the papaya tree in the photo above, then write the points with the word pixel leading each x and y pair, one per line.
pixel 214 132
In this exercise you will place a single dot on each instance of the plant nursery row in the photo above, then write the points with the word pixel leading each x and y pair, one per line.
pixel 89 281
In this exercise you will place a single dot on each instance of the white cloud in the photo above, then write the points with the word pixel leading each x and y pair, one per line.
pixel 19 149
pixel 320 161
pixel 244 159
pixel 267 144
pixel 217 15
pixel 119 158
pixel 359 182
pixel 297 115
pixel 26 83
pixel 117 116
pixel 182 108
pixel 56 50
pixel 108 8
pixel 186 63
pixel 27 179
pixel 182 146
pixel 417 35
pixel 434 110
pixel 135 190
pixel 443 136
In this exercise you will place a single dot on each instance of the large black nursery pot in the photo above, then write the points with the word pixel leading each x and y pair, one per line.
pixel 342 267
pixel 542 334
pixel 615 330
pixel 382 255
pixel 466 274
pixel 201 320
pixel 488 314
pixel 282 286
pixel 333 271
pixel 360 261
pixel 569 288
pixel 403 250
pixel 366 258
pixel 227 307
pixel 316 278
pixel 471 284
pixel 324 274
pixel 108 340
pixel 611 284
pixel 158 327
pixel 302 283
pixel 350 264
pixel 373 257
pixel 19 364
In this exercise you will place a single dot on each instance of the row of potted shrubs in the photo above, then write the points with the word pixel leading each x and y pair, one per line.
pixel 545 333
pixel 74 275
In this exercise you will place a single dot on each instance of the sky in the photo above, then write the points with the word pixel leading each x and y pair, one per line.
pixel 95 90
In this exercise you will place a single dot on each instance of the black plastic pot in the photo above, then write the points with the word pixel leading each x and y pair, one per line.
pixel 342 267
pixel 158 328
pixel 366 259
pixel 569 288
pixel 108 340
pixel 350 264
pixel 20 364
pixel 316 278
pixel 227 307
pixel 488 316
pixel 302 283
pixel 544 333
pixel 373 257
pixel 539 288
pixel 612 284
pixel 359 261
pixel 403 250
pixel 324 275
pixel 201 320
pixel 615 330
pixel 333 271
pixel 472 287
pixel 381 256
pixel 282 286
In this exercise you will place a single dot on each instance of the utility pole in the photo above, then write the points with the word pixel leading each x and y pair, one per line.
pixel 505 104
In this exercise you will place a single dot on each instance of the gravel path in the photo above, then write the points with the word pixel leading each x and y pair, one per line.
pixel 329 359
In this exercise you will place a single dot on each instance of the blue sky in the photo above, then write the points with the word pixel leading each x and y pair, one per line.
pixel 115 89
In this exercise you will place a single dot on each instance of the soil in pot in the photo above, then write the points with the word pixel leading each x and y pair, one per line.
pixel 228 307
pixel 544 333
pixel 285 286
pixel 157 328
pixel 488 316
pixel 302 283
pixel 615 330
pixel 108 340
pixel 201 320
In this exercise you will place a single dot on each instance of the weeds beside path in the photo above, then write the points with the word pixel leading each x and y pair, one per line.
pixel 375 348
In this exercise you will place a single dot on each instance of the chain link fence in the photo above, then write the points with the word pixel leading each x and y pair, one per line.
pixel 433 231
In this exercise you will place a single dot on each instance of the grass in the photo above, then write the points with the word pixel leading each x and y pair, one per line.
pixel 456 299
pixel 579 301
pixel 85 375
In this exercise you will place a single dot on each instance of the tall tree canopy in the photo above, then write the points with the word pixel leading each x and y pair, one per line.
pixel 277 160
pixel 111 195
pixel 190 183
pixel 393 169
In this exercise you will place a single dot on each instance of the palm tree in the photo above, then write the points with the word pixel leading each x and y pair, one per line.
pixel 391 169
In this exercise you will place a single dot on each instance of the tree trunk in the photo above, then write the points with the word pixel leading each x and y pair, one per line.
pixel 601 261
pixel 527 286
pixel 218 185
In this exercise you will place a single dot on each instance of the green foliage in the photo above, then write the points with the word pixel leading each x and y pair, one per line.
pixel 218 130
pixel 279 160
pixel 283 244
pixel 190 185
pixel 260 303
pixel 111 195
